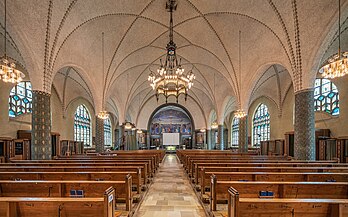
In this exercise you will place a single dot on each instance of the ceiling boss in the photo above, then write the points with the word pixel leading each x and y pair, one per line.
pixel 170 79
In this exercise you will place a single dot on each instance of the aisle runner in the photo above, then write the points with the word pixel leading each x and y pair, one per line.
pixel 170 194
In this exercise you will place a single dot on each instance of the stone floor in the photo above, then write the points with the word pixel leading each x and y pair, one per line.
pixel 171 194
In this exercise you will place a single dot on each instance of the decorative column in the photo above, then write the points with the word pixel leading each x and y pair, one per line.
pixel 41 148
pixel 99 135
pixel 122 138
pixel 193 140
pixel 221 136
pixel 208 134
pixel 243 135
pixel 304 125
pixel 148 139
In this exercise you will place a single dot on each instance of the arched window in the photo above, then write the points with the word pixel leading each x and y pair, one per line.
pixel 235 131
pixel 326 97
pixel 261 125
pixel 20 100
pixel 107 132
pixel 82 126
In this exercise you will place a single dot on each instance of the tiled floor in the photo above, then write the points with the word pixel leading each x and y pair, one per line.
pixel 171 194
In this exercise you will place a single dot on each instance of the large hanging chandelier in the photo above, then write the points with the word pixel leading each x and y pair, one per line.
pixel 170 79
pixel 337 65
pixel 8 71
pixel 103 114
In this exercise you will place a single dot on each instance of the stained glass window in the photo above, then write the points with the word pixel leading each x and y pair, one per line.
pixel 261 125
pixel 20 100
pixel 82 126
pixel 235 131
pixel 107 133
pixel 326 97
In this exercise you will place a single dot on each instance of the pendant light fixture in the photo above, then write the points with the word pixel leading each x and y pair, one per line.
pixel 103 114
pixel 240 112
pixel 336 65
pixel 8 71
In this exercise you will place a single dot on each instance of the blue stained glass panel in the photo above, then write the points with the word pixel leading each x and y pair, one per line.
pixel 82 126
pixel 326 97
pixel 261 125
pixel 20 100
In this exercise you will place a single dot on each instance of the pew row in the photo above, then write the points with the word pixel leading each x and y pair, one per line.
pixel 63 188
pixel 319 190
pixel 282 207
pixel 197 165
pixel 270 169
pixel 60 206
pixel 89 176
pixel 143 172
pixel 145 166
pixel 270 176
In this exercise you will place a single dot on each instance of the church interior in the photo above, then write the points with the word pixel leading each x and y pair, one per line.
pixel 222 108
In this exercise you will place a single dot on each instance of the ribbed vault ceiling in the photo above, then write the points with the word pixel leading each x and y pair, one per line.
pixel 61 41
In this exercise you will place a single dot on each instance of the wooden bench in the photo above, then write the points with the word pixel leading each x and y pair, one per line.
pixel 272 169
pixel 59 206
pixel 327 190
pixel 62 188
pixel 146 167
pixel 285 207
pixel 270 176
pixel 143 171
pixel 195 166
pixel 96 176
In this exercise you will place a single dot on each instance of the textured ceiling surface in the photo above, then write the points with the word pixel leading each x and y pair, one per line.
pixel 234 47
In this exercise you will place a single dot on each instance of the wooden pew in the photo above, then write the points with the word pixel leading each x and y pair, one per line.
pixel 62 164
pixel 60 206
pixel 285 207
pixel 151 160
pixel 327 190
pixel 270 176
pixel 96 176
pixel 143 171
pixel 61 188
pixel 272 169
pixel 196 165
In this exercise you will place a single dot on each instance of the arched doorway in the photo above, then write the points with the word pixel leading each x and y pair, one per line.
pixel 171 120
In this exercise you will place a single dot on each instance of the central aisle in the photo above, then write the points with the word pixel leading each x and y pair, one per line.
pixel 171 194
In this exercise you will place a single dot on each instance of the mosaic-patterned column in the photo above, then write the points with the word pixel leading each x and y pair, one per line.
pixel 304 125
pixel 193 139
pixel 221 136
pixel 99 135
pixel 243 135
pixel 41 148
pixel 148 139
pixel 208 134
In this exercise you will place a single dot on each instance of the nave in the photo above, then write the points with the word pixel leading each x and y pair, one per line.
pixel 170 194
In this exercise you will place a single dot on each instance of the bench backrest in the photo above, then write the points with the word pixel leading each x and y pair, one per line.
pixel 328 190
pixel 59 206
pixel 239 207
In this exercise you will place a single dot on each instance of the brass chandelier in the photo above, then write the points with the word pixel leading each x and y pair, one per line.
pixel 170 78
pixel 103 114
pixel 337 65
pixel 8 71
